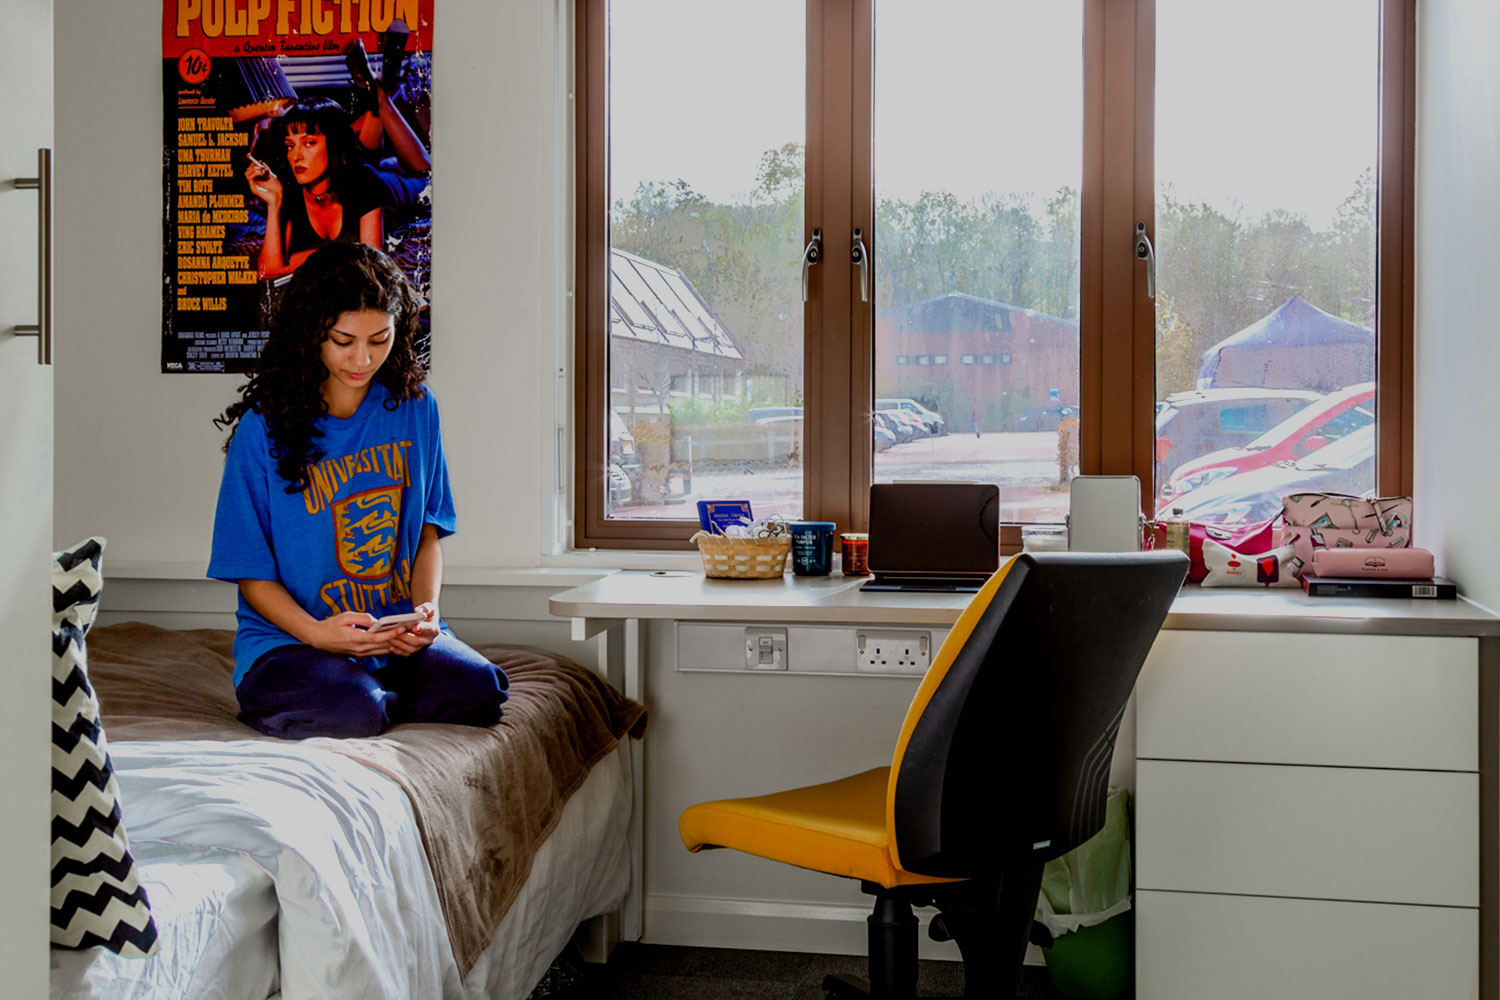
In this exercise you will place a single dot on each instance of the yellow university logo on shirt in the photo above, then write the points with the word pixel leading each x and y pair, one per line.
pixel 366 526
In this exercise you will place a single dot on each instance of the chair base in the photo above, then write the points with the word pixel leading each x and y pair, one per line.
pixel 989 919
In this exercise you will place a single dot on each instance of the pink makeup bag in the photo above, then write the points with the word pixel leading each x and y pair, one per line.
pixel 1312 521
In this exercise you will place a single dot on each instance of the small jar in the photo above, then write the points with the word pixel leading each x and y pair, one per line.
pixel 812 547
pixel 856 553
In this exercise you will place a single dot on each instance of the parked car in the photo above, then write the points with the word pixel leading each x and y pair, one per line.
pixel 622 446
pixel 1345 466
pixel 1320 423
pixel 883 437
pixel 620 490
pixel 934 422
pixel 759 414
pixel 904 430
pixel 1199 421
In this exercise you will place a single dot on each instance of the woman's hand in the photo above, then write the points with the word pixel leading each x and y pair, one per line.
pixel 417 637
pixel 264 183
pixel 346 635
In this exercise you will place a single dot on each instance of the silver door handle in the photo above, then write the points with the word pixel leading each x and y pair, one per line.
pixel 1145 252
pixel 860 259
pixel 42 329
pixel 811 256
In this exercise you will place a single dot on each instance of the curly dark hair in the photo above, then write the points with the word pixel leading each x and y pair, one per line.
pixel 285 385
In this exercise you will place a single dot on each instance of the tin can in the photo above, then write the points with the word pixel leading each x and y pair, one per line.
pixel 856 553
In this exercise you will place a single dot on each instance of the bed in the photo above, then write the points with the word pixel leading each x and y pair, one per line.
pixel 432 861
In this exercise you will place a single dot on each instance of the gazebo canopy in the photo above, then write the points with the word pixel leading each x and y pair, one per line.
pixel 1298 346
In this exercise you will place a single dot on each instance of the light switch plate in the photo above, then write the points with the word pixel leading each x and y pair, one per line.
pixel 765 648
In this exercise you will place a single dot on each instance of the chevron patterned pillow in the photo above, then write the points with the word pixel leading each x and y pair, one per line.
pixel 97 898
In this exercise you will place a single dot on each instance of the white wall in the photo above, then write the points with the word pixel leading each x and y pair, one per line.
pixel 1458 272
pixel 138 459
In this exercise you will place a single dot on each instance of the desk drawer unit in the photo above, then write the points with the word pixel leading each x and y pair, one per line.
pixel 1342 700
pixel 1318 832
pixel 1204 947
pixel 1308 816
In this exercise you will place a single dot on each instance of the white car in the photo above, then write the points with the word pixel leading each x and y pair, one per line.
pixel 934 422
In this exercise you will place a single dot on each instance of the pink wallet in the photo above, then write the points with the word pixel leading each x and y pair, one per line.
pixel 1401 564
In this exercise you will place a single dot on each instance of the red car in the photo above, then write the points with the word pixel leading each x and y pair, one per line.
pixel 1310 428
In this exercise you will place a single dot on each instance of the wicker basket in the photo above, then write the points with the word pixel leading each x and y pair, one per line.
pixel 743 558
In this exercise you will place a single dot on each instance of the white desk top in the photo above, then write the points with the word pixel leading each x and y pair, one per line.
pixel 687 596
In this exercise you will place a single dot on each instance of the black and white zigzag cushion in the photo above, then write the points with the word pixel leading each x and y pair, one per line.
pixel 97 898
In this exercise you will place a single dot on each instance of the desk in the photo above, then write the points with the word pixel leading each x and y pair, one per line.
pixel 1313 739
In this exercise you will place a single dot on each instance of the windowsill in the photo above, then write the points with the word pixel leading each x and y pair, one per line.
pixel 624 559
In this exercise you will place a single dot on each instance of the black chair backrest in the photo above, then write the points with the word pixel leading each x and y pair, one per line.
pixel 1006 750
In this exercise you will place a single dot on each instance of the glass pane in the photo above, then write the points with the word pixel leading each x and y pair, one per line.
pixel 1266 155
pixel 705 311
pixel 978 164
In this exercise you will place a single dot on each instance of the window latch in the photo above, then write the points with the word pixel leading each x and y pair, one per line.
pixel 860 259
pixel 1145 252
pixel 811 256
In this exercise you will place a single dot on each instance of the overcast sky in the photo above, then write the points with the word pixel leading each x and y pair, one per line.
pixel 1270 105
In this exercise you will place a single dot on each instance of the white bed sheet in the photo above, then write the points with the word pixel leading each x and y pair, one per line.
pixel 215 914
pixel 339 846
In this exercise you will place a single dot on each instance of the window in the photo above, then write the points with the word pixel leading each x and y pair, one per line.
pixel 691 322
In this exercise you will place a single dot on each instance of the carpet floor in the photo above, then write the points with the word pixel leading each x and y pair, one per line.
pixel 661 972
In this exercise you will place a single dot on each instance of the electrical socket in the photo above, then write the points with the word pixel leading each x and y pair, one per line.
pixel 892 652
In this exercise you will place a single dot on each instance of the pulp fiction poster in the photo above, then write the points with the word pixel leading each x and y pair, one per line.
pixel 288 124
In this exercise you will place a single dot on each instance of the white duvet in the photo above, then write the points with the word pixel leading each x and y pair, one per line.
pixel 359 915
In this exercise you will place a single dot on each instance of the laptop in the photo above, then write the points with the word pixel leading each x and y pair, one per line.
pixel 933 536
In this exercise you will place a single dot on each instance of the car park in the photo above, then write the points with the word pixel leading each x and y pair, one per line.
pixel 1320 423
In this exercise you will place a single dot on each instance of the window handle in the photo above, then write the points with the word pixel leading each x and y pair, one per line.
pixel 861 259
pixel 811 256
pixel 1145 252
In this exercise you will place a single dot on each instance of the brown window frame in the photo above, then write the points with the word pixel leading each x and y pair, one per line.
pixel 1116 319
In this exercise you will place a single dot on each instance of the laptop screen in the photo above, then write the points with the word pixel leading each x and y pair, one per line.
pixel 932 529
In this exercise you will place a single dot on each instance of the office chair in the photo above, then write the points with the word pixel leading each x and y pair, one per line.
pixel 1001 765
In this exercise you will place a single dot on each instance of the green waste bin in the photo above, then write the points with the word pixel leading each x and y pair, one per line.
pixel 1085 904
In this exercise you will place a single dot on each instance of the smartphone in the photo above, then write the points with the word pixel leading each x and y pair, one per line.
pixel 396 621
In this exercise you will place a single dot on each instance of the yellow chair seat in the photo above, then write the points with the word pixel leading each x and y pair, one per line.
pixel 838 828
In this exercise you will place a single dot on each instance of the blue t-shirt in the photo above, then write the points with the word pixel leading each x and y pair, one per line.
pixel 347 542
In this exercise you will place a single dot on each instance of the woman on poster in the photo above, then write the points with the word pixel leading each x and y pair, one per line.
pixel 334 196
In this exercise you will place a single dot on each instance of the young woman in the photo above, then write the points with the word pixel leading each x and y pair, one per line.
pixel 334 496
pixel 319 191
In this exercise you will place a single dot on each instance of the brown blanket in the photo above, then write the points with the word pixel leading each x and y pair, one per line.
pixel 484 798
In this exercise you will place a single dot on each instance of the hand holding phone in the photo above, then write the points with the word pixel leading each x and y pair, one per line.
pixel 396 621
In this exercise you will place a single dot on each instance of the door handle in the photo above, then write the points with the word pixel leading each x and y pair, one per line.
pixel 811 256
pixel 860 259
pixel 42 329
pixel 1145 252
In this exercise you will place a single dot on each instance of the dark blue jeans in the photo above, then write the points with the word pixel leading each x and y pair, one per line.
pixel 297 691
